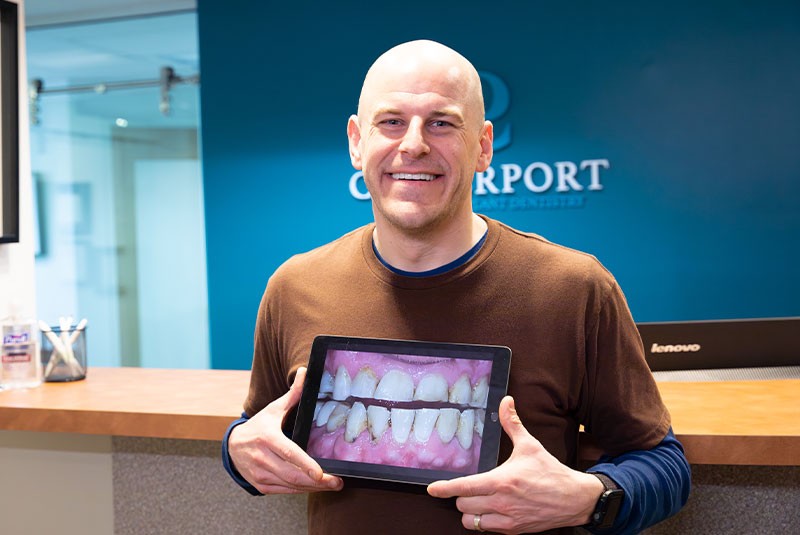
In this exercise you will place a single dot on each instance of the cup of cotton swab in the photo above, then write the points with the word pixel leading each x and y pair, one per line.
pixel 64 350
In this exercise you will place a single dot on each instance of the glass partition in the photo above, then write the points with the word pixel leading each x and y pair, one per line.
pixel 118 187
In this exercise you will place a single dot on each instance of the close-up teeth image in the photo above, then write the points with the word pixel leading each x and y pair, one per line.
pixel 447 424
pixel 461 392
pixel 411 412
pixel 364 384
pixel 480 414
pixel 356 422
pixel 341 384
pixel 466 425
pixel 402 420
pixel 480 394
pixel 325 412
pixel 424 420
pixel 432 387
pixel 337 417
pixel 378 420
pixel 395 386
pixel 326 385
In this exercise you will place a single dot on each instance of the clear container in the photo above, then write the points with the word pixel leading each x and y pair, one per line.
pixel 19 363
pixel 64 354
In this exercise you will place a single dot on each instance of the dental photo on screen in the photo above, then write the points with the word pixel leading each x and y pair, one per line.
pixel 410 411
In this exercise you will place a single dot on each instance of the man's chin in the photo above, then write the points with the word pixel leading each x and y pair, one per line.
pixel 413 222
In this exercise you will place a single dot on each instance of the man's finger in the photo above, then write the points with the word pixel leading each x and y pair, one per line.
pixel 294 468
pixel 477 485
pixel 329 483
pixel 289 452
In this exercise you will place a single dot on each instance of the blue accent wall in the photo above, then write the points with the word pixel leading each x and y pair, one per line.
pixel 695 107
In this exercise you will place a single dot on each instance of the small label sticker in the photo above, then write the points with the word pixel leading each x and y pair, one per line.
pixel 10 358
pixel 20 338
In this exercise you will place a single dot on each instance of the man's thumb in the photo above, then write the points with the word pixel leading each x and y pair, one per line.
pixel 510 421
pixel 292 396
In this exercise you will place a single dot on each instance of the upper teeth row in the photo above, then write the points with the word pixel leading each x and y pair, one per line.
pixel 397 385
pixel 449 423
pixel 413 176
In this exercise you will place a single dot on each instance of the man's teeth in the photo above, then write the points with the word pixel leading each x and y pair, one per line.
pixel 395 386
pixel 356 422
pixel 432 387
pixel 378 420
pixel 364 383
pixel 462 391
pixel 466 425
pixel 337 417
pixel 480 414
pixel 480 394
pixel 341 384
pixel 326 384
pixel 447 424
pixel 325 412
pixel 398 386
pixel 413 176
pixel 424 420
pixel 402 420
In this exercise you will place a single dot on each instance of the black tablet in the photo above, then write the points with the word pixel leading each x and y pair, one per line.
pixel 402 411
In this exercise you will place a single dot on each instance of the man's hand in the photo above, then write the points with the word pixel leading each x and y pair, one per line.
pixel 530 492
pixel 268 460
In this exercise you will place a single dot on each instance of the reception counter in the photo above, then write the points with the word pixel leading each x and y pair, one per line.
pixel 156 425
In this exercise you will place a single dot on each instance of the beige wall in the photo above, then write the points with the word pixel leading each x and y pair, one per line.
pixel 56 483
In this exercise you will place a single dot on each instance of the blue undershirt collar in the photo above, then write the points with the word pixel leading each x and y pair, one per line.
pixel 460 261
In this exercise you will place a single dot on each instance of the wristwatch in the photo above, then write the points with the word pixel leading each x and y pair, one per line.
pixel 605 512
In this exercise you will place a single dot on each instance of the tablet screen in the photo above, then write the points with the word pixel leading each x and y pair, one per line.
pixel 403 411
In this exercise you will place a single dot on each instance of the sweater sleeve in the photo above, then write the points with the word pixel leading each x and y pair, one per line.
pixel 656 484
pixel 227 462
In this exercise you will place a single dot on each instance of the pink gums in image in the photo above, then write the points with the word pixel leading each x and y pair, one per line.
pixel 431 453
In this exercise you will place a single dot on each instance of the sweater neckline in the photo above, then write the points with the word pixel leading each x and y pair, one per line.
pixel 419 283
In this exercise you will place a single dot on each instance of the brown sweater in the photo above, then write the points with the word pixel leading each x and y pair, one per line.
pixel 576 353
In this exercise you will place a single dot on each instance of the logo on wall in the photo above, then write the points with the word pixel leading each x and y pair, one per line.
pixel 515 186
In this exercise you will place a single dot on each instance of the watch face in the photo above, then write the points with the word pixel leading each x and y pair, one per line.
pixel 607 508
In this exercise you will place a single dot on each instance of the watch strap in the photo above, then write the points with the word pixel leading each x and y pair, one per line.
pixel 608 483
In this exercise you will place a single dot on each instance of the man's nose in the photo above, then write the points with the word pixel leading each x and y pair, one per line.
pixel 413 142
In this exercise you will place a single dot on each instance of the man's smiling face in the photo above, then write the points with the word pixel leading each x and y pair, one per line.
pixel 419 137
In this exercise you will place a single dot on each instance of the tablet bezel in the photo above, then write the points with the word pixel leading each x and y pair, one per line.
pixel 499 356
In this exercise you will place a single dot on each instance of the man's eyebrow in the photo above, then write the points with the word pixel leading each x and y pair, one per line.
pixel 386 110
pixel 448 113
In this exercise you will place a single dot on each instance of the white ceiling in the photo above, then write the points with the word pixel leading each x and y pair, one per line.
pixel 92 42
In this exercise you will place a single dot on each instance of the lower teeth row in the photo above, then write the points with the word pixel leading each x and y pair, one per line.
pixel 357 418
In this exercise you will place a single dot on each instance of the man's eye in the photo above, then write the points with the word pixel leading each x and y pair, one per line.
pixel 441 124
pixel 391 122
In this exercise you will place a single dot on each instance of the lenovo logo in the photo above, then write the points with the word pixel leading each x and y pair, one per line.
pixel 676 348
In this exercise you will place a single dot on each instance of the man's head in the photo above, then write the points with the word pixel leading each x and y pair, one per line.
pixel 419 136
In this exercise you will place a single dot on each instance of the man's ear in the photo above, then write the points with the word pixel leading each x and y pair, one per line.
pixel 487 151
pixel 354 139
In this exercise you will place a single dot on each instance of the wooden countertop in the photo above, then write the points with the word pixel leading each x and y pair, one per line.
pixel 142 402
pixel 736 422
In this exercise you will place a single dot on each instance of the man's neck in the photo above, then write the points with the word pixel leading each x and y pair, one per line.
pixel 430 251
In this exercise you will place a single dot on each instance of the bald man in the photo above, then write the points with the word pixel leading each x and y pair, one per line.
pixel 429 268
